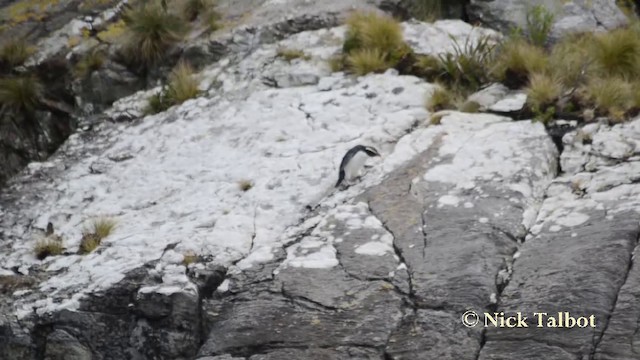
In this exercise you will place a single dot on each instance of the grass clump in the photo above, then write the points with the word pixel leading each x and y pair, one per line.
pixel 189 258
pixel 373 39
pixel 291 54
pixel 192 8
pixel 88 243
pixel 427 66
pixel 617 53
pixel 516 60
pixel 182 86
pixel 337 63
pixel 152 31
pixel 14 53
pixel 157 103
pixel 91 62
pixel 245 185
pixel 539 23
pixel 569 60
pixel 20 94
pixel 47 247
pixel 610 96
pixel 92 236
pixel 465 68
pixel 442 99
pixel 543 90
pixel 365 61
pixel 427 10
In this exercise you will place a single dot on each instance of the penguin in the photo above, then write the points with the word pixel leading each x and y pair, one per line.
pixel 353 162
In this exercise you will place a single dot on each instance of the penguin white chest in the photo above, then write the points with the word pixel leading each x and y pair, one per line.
pixel 354 166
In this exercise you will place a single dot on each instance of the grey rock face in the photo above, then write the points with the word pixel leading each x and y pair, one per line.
pixel 62 346
pixel 570 16
pixel 102 87
pixel 579 258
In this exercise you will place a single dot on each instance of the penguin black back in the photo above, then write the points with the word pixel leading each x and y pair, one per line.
pixel 349 156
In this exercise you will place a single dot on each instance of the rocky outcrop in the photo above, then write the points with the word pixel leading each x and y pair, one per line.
pixel 569 16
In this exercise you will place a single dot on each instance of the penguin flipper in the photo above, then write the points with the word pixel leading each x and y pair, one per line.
pixel 340 178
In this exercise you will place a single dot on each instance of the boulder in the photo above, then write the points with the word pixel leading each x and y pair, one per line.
pixel 570 16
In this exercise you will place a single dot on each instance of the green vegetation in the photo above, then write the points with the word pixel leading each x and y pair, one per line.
pixel 611 96
pixel 427 10
pixel 91 62
pixel 617 53
pixel 373 43
pixel 151 32
pixel 440 99
pixel 584 75
pixel 92 236
pixel 14 53
pixel 189 258
pixel 465 68
pixel 20 93
pixel 543 90
pixel 539 23
pixel 291 54
pixel 569 60
pixel 47 247
pixel 516 60
pixel 364 61
pixel 88 243
pixel 182 86
pixel 192 8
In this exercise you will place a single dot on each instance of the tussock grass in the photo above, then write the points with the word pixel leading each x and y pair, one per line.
pixel 427 66
pixel 245 185
pixel 465 68
pixel 182 86
pixel 91 62
pixel 213 20
pixel 291 54
pixel 46 247
pixel 151 32
pixel 442 99
pixel 427 10
pixel 635 94
pixel 617 53
pixel 192 8
pixel 89 243
pixel 93 235
pixel 516 60
pixel 370 38
pixel 611 96
pixel 103 227
pixel 364 61
pixel 469 106
pixel 20 93
pixel 14 52
pixel 569 60
pixel 543 90
pixel 189 258
pixel 539 24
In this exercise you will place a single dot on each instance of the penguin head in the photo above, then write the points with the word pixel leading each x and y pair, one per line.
pixel 371 151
